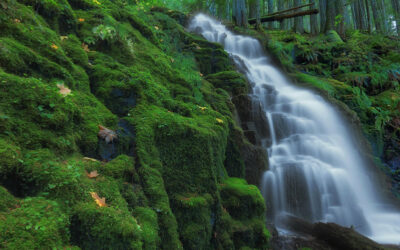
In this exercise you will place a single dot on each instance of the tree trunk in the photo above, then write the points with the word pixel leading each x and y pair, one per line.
pixel 298 22
pixel 281 6
pixel 330 16
pixel 377 16
pixel 240 13
pixel 339 17
pixel 313 21
pixel 368 16
pixel 270 11
pixel 252 8
pixel 322 14
pixel 396 9
pixel 359 12
pixel 258 15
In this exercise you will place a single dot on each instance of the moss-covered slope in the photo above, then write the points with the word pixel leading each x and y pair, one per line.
pixel 157 176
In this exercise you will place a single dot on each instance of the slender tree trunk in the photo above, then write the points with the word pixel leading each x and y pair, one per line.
pixel 382 9
pixel 339 16
pixel 258 15
pixel 360 18
pixel 368 16
pixel 298 22
pixel 378 18
pixel 347 18
pixel 322 14
pixel 330 16
pixel 396 9
pixel 313 21
pixel 271 10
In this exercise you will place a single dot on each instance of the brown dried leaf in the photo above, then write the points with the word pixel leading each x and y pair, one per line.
pixel 85 47
pixel 107 134
pixel 64 91
pixel 101 202
pixel 92 174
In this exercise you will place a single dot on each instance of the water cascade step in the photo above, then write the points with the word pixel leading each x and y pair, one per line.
pixel 315 173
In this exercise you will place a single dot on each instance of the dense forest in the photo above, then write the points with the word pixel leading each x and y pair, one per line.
pixel 143 124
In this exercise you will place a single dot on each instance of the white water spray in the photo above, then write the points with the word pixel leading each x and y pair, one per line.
pixel 315 172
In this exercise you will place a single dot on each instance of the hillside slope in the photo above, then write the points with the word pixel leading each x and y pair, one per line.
pixel 111 136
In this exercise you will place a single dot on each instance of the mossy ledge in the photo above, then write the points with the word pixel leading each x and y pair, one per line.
pixel 67 67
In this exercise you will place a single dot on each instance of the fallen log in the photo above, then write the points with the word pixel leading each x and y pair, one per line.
pixel 282 17
pixel 284 11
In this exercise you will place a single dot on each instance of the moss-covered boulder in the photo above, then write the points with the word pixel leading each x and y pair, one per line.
pixel 36 223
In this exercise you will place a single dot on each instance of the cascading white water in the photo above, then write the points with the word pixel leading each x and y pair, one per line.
pixel 315 172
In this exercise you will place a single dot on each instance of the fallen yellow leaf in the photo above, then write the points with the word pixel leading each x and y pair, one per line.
pixel 101 202
pixel 62 38
pixel 220 121
pixel 53 46
pixel 90 159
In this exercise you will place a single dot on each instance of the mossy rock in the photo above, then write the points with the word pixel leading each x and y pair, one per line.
pixel 7 200
pixel 10 156
pixel 242 201
pixel 36 224
pixel 231 81
pixel 94 227
pixel 122 167
pixel 196 219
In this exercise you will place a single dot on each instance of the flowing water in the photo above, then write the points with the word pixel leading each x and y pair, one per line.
pixel 315 172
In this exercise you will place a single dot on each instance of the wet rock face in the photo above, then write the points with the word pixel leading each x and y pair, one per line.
pixel 321 236
pixel 123 143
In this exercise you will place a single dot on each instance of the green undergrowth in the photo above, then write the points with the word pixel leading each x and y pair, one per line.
pixel 68 67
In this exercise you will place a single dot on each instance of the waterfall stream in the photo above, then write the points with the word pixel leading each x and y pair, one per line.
pixel 315 172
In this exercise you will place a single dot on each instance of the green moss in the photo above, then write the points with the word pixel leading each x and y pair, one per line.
pixel 242 201
pixel 122 167
pixel 147 218
pixel 10 156
pixel 36 224
pixel 7 201
pixel 106 227
pixel 231 81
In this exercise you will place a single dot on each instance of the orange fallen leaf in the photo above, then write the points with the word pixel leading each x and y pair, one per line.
pixel 16 20
pixel 101 202
pixel 201 74
pixel 107 134
pixel 64 91
pixel 53 46
pixel 92 174
pixel 81 20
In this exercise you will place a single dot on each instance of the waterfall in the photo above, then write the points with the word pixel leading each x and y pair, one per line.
pixel 315 172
